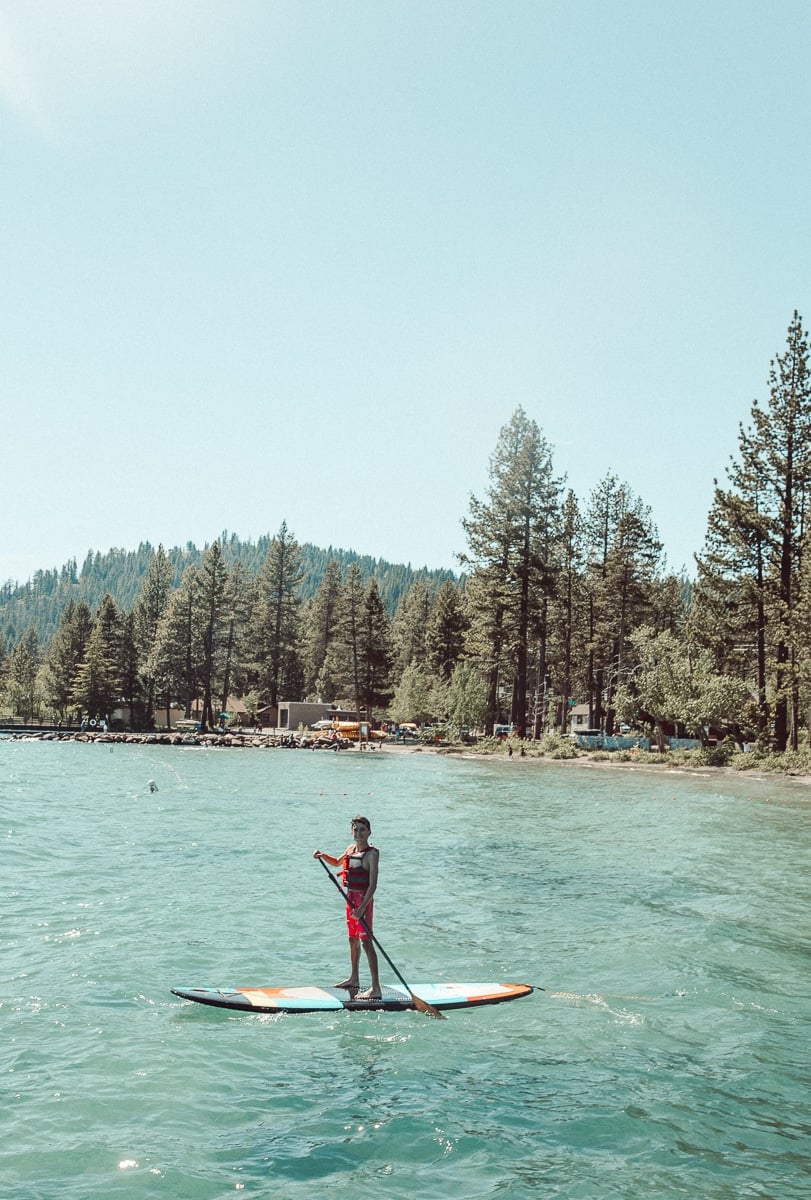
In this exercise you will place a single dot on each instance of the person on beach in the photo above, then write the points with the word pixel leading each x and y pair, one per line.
pixel 358 865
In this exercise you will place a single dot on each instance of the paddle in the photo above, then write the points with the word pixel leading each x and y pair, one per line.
pixel 420 1005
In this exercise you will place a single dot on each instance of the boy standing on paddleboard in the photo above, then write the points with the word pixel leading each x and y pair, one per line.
pixel 358 864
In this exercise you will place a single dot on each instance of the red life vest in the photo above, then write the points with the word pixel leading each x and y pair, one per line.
pixel 355 871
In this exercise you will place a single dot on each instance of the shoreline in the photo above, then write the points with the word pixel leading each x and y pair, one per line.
pixel 281 740
pixel 703 770
pixel 272 739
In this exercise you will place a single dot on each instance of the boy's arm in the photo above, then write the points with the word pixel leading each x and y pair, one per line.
pixel 333 862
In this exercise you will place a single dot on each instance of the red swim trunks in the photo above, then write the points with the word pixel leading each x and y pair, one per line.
pixel 354 928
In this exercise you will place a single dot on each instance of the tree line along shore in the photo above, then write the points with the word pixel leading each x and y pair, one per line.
pixel 560 603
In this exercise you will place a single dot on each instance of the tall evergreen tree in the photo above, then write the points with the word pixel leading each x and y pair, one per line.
pixel 174 660
pixel 96 686
pixel 321 626
pixel 486 642
pixel 623 565
pixel 129 666
pixel 21 676
pixel 239 606
pixel 728 611
pixel 410 624
pixel 342 664
pixel 752 566
pixel 279 604
pixel 509 537
pixel 445 630
pixel 110 624
pixel 149 608
pixel 210 619
pixel 375 651
pixel 568 635
pixel 65 652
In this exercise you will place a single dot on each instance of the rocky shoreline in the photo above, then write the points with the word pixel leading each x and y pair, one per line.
pixel 262 741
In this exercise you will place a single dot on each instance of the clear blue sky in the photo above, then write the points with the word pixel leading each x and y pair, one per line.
pixel 302 260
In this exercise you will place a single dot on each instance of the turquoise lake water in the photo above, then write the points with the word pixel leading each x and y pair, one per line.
pixel 666 916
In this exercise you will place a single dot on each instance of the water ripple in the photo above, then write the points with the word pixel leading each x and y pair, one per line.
pixel 666 1058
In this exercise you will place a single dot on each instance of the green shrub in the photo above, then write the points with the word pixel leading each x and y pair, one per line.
pixel 720 755
pixel 556 746
pixel 790 762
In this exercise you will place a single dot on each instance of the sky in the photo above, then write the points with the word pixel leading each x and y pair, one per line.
pixel 267 260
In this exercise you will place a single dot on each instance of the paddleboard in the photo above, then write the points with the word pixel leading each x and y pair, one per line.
pixel 330 999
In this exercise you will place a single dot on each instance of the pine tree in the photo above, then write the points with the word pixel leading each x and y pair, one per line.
pixel 487 644
pixel 174 660
pixel 567 652
pixel 445 630
pixel 96 686
pixel 21 676
pixel 239 606
pixel 409 626
pixel 279 606
pixel 729 607
pixel 374 651
pixel 623 565
pixel 321 624
pixel 128 666
pixel 65 652
pixel 509 538
pixel 753 560
pixel 149 608
pixel 341 672
pixel 210 619
pixel 110 623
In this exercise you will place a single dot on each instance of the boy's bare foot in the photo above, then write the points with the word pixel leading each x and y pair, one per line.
pixel 369 994
pixel 351 985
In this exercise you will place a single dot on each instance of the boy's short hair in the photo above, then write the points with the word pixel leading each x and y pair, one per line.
pixel 365 821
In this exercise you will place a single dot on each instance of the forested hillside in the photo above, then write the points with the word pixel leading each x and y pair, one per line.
pixel 39 603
